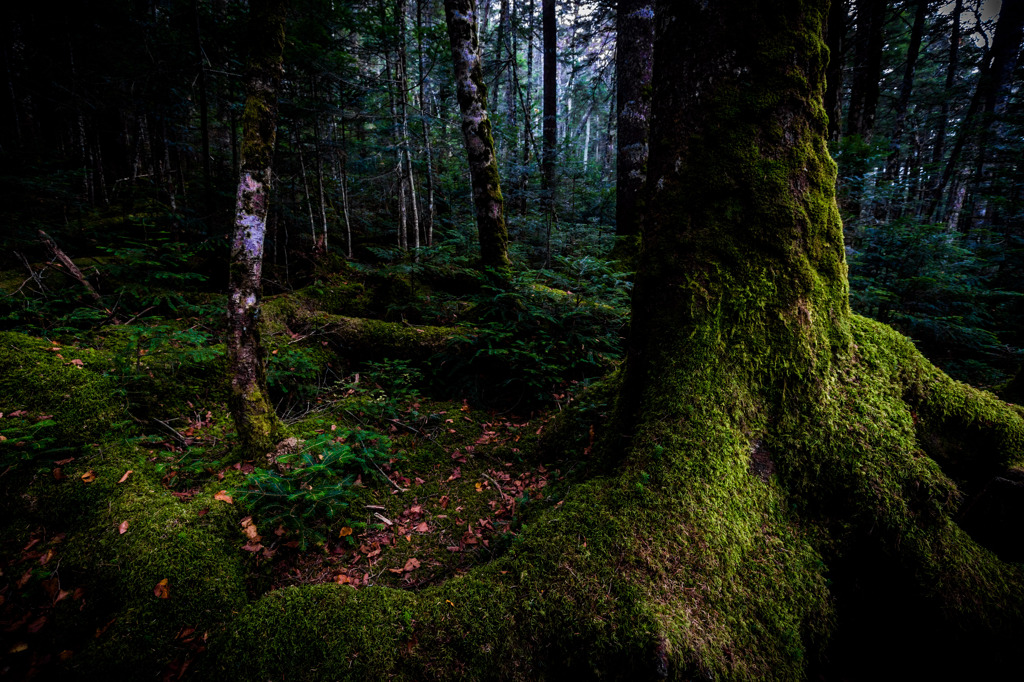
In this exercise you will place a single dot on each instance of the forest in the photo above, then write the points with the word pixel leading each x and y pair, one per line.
pixel 512 340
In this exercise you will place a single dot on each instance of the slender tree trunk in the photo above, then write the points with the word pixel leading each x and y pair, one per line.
pixel 547 171
pixel 428 227
pixel 476 130
pixel 951 68
pixel 913 48
pixel 869 40
pixel 254 416
pixel 634 63
pixel 835 39
pixel 989 95
pixel 406 149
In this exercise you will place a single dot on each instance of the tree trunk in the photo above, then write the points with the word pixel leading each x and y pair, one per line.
pixel 838 17
pixel 254 416
pixel 634 60
pixel 550 128
pixel 762 472
pixel 951 67
pixel 428 228
pixel 476 131
pixel 868 42
pixel 896 138
pixel 989 95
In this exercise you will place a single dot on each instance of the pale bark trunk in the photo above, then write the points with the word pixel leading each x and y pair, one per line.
pixel 254 416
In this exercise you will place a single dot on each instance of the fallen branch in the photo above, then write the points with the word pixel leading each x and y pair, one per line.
pixel 75 272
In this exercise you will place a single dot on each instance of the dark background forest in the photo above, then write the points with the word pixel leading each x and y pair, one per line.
pixel 121 127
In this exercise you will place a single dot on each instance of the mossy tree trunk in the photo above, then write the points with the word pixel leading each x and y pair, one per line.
pixel 634 61
pixel 254 416
pixel 781 478
pixel 476 131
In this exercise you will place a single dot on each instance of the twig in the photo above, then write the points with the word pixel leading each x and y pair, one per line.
pixel 401 490
pixel 130 320
pixel 180 438
pixel 33 275
pixel 386 520
pixel 503 495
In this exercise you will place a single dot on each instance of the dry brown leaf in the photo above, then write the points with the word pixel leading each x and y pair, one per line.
pixel 45 559
pixel 125 477
pixel 224 497
pixel 345 530
pixel 89 476
pixel 411 565
pixel 162 589
pixel 123 528
pixel 249 528
pixel 422 528
pixel 58 475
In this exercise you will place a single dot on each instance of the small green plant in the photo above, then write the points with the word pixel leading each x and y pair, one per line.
pixel 312 488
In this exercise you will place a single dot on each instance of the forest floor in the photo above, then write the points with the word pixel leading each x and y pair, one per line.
pixel 378 483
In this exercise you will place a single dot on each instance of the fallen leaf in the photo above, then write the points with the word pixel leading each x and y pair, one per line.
pixel 18 648
pixel 58 475
pixel 411 565
pixel 345 530
pixel 37 625
pixel 45 559
pixel 456 474
pixel 89 476
pixel 65 655
pixel 224 497
pixel 123 528
pixel 125 477
pixel 162 589
pixel 422 528
pixel 62 462
pixel 249 528
pixel 252 547
pixel 77 363
pixel 203 512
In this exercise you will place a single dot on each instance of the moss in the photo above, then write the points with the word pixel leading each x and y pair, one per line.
pixel 39 375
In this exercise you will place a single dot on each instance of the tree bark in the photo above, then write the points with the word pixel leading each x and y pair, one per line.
pixel 868 42
pixel 476 131
pixel 835 38
pixel 634 61
pixel 254 416
pixel 550 128
pixel 913 48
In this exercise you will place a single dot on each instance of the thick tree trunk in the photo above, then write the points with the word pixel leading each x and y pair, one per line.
pixel 634 61
pixel 254 416
pixel 765 468
pixel 476 131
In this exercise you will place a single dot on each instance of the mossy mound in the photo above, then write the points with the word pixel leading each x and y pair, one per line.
pixel 125 532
